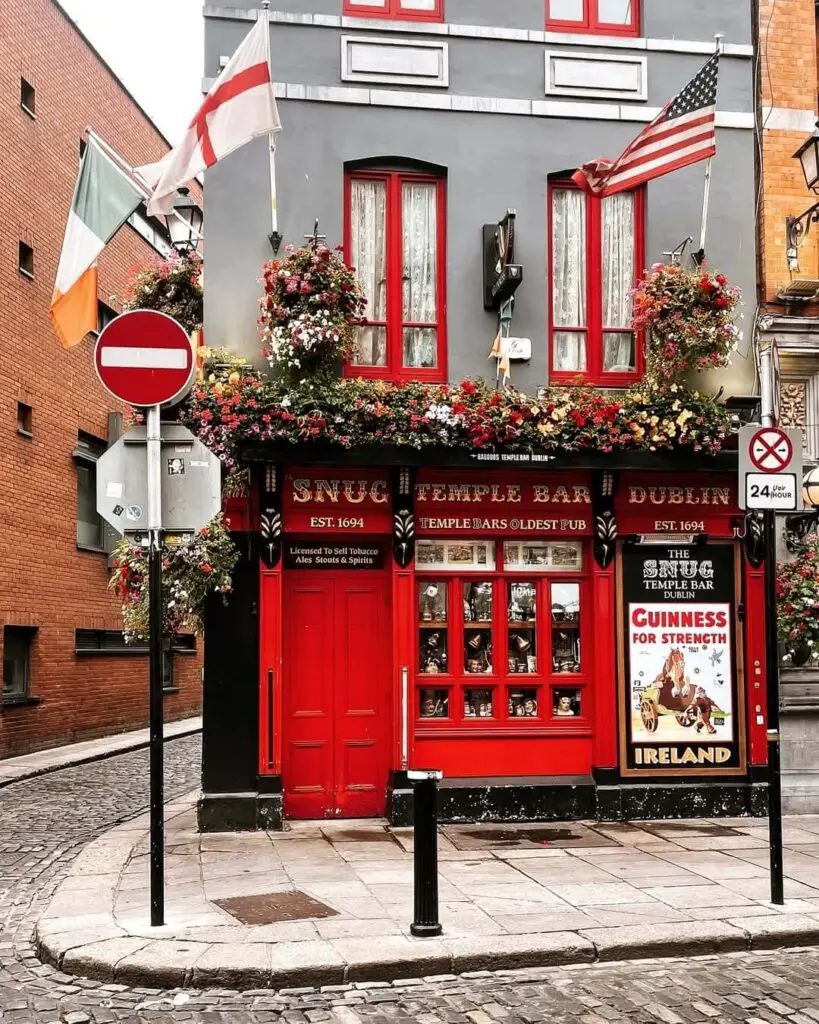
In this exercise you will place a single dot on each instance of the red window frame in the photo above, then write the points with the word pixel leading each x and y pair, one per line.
pixel 591 23
pixel 393 9
pixel 456 680
pixel 594 373
pixel 394 323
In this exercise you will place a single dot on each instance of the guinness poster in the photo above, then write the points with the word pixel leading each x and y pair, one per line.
pixel 681 712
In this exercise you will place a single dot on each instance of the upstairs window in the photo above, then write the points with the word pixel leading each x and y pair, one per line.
pixel 17 641
pixel 601 17
pixel 596 256
pixel 408 10
pixel 92 533
pixel 395 240
pixel 28 98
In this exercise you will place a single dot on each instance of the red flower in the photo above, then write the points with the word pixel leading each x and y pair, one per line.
pixel 468 387
pixel 207 568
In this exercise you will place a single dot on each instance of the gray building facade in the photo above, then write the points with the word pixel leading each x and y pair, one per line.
pixel 496 103
pixel 492 647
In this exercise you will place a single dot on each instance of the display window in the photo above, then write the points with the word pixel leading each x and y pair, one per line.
pixel 502 632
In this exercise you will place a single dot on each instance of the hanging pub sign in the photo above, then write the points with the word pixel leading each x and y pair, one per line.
pixel 681 710
pixel 467 501
pixel 336 501
pixel 501 275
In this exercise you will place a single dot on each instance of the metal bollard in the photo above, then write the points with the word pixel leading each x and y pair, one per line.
pixel 425 816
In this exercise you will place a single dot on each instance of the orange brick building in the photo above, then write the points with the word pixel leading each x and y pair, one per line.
pixel 788 313
pixel 66 673
pixel 787 114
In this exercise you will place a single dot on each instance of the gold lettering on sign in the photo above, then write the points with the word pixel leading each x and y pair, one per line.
pixel 690 755
pixel 350 492
pixel 355 499
pixel 679 495
pixel 302 491
pixel 328 488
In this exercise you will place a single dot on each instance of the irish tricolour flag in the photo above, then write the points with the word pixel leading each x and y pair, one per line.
pixel 104 198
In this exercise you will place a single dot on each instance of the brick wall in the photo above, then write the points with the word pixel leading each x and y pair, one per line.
pixel 44 580
pixel 788 82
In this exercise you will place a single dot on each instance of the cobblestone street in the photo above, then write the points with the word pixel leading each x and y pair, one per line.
pixel 45 821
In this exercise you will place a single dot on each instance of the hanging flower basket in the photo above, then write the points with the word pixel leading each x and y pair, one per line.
pixel 311 306
pixel 191 571
pixel 172 286
pixel 688 318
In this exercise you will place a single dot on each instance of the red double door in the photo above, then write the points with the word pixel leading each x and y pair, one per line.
pixel 336 729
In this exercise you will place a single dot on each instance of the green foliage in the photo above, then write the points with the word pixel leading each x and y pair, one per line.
pixel 191 570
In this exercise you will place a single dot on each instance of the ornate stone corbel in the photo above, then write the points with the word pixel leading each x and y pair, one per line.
pixel 403 516
pixel 270 521
pixel 754 539
pixel 605 521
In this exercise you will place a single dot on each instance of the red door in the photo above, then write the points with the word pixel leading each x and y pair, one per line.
pixel 337 649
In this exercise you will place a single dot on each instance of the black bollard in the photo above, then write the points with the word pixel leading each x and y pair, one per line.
pixel 425 816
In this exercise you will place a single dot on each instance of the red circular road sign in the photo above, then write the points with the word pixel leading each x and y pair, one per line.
pixel 144 358
pixel 770 450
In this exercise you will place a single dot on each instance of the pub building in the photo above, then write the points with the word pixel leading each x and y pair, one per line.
pixel 561 643
pixel 563 635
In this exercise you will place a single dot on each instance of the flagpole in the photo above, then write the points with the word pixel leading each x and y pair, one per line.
pixel 706 197
pixel 275 236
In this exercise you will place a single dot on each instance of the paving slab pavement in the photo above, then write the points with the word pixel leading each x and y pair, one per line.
pixel 241 908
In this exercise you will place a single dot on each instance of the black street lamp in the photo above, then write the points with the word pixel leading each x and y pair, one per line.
pixel 185 223
pixel 799 524
pixel 798 227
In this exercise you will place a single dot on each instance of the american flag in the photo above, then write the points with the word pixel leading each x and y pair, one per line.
pixel 682 133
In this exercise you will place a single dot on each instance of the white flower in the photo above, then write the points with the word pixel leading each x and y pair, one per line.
pixel 285 403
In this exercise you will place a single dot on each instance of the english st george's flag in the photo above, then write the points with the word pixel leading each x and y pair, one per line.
pixel 682 133
pixel 104 199
pixel 240 106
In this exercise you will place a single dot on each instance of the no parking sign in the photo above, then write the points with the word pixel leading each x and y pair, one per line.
pixel 770 468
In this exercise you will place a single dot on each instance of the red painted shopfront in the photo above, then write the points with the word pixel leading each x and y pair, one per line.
pixel 561 643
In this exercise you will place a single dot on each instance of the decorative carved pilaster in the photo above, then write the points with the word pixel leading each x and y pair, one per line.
pixel 403 516
pixel 270 520
pixel 793 405
pixel 605 521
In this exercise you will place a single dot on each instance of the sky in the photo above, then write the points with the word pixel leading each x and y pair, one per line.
pixel 155 48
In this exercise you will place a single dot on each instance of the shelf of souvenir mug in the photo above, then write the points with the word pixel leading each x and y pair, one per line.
pixel 502 701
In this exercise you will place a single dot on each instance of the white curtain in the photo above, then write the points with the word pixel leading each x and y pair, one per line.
pixel 614 12
pixel 569 278
pixel 419 211
pixel 368 252
pixel 618 280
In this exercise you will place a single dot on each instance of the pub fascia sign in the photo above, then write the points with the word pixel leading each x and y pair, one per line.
pixel 320 497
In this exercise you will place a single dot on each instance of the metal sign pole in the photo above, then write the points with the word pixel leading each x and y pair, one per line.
pixel 772 673
pixel 154 468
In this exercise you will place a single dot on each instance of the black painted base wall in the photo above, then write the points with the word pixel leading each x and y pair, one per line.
pixel 582 800
pixel 240 812
pixel 476 800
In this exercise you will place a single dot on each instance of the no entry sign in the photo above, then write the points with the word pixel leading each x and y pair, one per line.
pixel 144 358
pixel 770 468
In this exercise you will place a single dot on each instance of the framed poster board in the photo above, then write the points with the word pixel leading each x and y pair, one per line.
pixel 680 661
